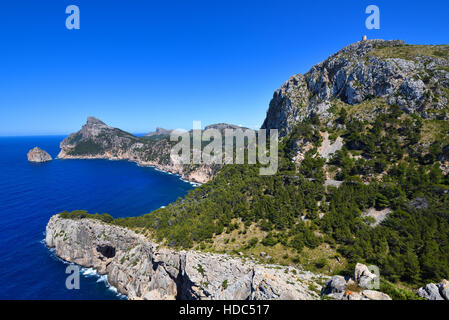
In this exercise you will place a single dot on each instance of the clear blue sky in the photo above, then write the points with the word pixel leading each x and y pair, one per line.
pixel 141 64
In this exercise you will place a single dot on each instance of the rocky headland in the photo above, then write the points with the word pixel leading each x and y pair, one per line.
pixel 96 140
pixel 141 269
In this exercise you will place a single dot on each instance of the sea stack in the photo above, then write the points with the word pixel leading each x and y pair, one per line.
pixel 38 155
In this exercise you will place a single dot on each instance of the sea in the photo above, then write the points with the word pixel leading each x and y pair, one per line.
pixel 31 193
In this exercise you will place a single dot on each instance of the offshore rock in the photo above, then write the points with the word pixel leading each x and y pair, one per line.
pixel 38 155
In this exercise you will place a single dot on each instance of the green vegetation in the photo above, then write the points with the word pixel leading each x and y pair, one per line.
pixel 87 148
pixel 225 284
pixel 396 292
pixel 81 214
pixel 411 52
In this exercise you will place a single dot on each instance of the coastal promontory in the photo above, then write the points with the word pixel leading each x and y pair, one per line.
pixel 97 140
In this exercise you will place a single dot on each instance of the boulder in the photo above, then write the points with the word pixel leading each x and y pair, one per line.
pixel 336 284
pixel 361 283
pixel 365 295
pixel 363 277
pixel 375 295
pixel 430 292
pixel 444 289
pixel 350 295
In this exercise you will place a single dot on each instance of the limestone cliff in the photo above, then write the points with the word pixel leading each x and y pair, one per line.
pixel 414 77
pixel 141 269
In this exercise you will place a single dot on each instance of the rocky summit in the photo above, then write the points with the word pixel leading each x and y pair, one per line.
pixel 38 155
pixel 414 77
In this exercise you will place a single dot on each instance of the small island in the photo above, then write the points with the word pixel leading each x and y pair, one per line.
pixel 38 155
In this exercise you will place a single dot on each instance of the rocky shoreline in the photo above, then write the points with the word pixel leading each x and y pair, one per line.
pixel 141 269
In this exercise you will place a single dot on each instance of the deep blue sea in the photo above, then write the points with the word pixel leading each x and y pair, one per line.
pixel 31 193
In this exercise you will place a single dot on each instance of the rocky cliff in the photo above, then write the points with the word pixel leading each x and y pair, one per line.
pixel 38 155
pixel 96 140
pixel 414 77
pixel 141 269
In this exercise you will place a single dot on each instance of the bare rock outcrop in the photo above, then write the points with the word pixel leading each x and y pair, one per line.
pixel 328 148
pixel 377 215
pixel 141 269
pixel 434 291
pixel 357 287
pixel 364 70
pixel 38 155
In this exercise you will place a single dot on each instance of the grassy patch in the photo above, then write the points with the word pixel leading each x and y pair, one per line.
pixel 411 52
pixel 396 292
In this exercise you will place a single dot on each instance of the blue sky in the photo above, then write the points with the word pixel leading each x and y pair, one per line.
pixel 141 64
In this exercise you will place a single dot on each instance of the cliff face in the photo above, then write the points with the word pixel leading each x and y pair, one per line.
pixel 96 140
pixel 414 77
pixel 140 269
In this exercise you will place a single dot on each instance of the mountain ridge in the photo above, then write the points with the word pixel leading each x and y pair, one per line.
pixel 97 140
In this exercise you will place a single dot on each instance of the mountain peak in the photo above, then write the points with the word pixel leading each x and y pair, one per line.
pixel 414 77
pixel 159 131
pixel 94 121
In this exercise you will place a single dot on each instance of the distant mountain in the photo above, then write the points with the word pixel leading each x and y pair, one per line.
pixel 223 126
pixel 97 140
pixel 159 132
